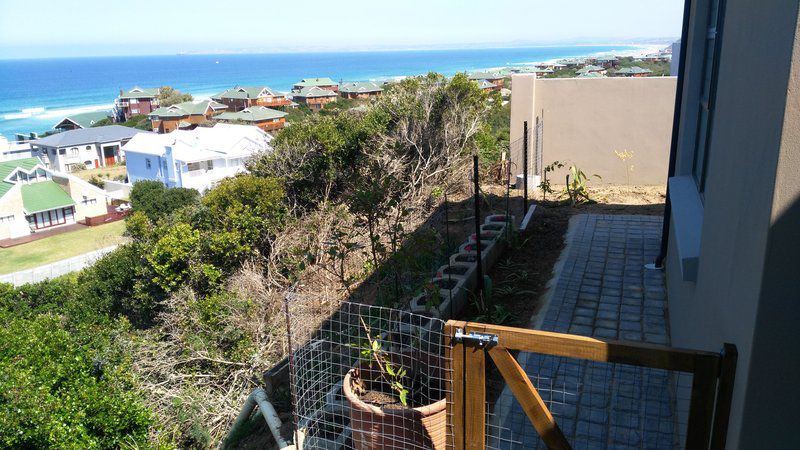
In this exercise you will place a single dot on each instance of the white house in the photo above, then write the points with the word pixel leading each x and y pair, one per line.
pixel 34 198
pixel 196 158
pixel 14 150
pixel 84 148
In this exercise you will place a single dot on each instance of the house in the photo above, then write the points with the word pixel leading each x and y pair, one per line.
pixel 314 97
pixel 570 63
pixel 265 118
pixel 360 90
pixel 591 68
pixel 495 78
pixel 634 71
pixel 607 61
pixel 591 75
pixel 34 198
pixel 14 150
pixel 196 159
pixel 241 97
pixel 653 57
pixel 134 102
pixel 487 86
pixel 184 115
pixel 322 83
pixel 82 120
pixel 84 148
pixel 732 226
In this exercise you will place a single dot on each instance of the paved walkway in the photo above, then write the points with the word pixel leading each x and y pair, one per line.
pixel 601 289
pixel 54 269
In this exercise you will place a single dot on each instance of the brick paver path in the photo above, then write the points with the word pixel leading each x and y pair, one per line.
pixel 604 291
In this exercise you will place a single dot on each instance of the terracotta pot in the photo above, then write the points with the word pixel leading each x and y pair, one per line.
pixel 423 427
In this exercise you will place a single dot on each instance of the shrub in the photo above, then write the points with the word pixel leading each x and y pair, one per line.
pixel 61 389
pixel 157 201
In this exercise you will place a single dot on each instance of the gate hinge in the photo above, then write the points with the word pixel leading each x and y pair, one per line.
pixel 474 338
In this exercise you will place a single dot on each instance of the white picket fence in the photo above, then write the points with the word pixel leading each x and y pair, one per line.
pixel 55 269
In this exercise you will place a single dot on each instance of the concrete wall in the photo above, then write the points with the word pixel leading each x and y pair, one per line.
pixel 585 120
pixel 747 287
pixel 11 204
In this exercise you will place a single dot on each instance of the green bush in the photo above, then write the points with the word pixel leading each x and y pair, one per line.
pixel 65 389
pixel 158 201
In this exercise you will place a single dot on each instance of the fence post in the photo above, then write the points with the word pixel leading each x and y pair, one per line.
pixel 722 410
pixel 454 390
pixel 701 408
pixel 478 262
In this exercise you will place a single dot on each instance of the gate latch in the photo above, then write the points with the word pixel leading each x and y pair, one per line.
pixel 473 338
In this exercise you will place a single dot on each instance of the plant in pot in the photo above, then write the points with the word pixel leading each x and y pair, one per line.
pixel 391 404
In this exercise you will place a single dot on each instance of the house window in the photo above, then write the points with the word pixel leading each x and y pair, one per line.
pixel 135 110
pixel 6 219
pixel 134 101
pixel 88 147
pixel 88 201
pixel 193 166
pixel 62 151
pixel 147 163
pixel 73 151
pixel 52 218
pixel 711 51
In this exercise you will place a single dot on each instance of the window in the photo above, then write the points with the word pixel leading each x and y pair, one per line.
pixel 147 163
pixel 88 147
pixel 193 166
pixel 716 15
pixel 6 219
pixel 134 101
pixel 52 218
pixel 62 151
pixel 135 110
pixel 73 151
pixel 88 201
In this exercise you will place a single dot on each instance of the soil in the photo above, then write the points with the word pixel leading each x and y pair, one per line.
pixel 381 400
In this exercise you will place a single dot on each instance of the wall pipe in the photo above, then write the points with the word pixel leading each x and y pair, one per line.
pixel 676 121
pixel 257 398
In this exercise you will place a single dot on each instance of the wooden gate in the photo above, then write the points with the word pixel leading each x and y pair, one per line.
pixel 470 342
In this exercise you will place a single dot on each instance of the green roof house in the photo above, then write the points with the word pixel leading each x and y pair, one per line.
pixel 241 97
pixel 323 83
pixel 591 68
pixel 184 115
pixel 591 75
pixel 494 77
pixel 34 198
pixel 265 118
pixel 82 120
pixel 314 97
pixel 135 102
pixel 360 90
pixel 634 71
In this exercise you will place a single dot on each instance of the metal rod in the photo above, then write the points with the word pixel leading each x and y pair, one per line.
pixel 476 180
pixel 524 167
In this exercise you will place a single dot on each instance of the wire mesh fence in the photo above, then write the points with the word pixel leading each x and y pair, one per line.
pixel 365 376
pixel 597 405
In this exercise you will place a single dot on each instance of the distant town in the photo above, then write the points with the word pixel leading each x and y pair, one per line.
pixel 82 171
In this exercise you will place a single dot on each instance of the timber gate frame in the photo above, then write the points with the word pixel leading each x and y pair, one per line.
pixel 470 342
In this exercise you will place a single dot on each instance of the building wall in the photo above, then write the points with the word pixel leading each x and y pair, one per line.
pixel 136 165
pixel 89 200
pixel 747 289
pixel 585 119
pixel 11 205
pixel 143 106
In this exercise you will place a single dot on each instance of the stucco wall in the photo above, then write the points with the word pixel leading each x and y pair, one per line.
pixel 11 204
pixel 747 290
pixel 585 120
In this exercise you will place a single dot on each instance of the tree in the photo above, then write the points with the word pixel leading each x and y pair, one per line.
pixel 169 96
pixel 157 201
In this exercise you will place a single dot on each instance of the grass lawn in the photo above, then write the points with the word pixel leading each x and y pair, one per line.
pixel 105 173
pixel 62 246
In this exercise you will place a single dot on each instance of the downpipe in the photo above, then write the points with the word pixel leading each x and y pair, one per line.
pixel 257 398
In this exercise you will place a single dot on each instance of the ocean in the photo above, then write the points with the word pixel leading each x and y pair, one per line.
pixel 37 93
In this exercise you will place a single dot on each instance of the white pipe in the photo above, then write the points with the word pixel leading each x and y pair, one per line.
pixel 259 398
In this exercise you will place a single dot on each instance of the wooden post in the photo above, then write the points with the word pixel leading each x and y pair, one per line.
pixel 475 401
pixel 722 410
pixel 701 408
pixel 454 390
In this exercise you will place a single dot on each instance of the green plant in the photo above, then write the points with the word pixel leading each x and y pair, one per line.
pixel 433 296
pixel 544 185
pixel 394 376
pixel 498 315
pixel 624 156
pixel 576 186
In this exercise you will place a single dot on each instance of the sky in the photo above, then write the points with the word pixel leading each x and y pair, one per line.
pixel 57 28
